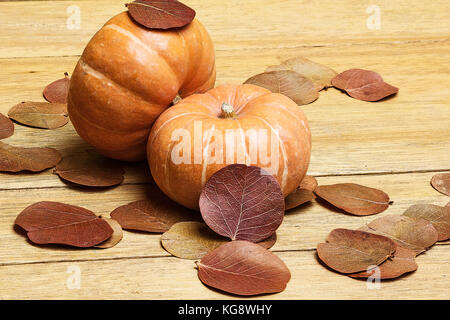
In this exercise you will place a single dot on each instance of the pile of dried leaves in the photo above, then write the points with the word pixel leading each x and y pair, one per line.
pixel 386 247
pixel 301 80
pixel 85 168
pixel 241 206
pixel 239 225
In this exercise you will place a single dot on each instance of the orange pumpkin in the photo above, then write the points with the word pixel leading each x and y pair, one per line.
pixel 128 75
pixel 246 124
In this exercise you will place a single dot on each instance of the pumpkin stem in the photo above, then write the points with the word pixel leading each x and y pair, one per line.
pixel 227 111
pixel 176 99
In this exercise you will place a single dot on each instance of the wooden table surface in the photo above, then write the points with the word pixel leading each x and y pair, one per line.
pixel 396 145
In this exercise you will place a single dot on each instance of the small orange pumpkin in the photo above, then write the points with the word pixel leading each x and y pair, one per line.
pixel 128 75
pixel 246 124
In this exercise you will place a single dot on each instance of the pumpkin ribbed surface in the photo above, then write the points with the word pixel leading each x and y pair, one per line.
pixel 192 140
pixel 128 75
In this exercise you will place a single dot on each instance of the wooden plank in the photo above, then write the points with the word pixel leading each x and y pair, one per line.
pixel 172 278
pixel 349 136
pixel 233 24
pixel 403 134
pixel 302 229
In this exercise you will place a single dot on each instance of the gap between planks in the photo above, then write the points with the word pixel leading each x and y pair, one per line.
pixel 393 42
pixel 376 173
pixel 167 256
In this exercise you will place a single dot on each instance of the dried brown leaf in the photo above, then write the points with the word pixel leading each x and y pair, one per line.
pixel 403 261
pixel 350 251
pixel 309 183
pixel 414 234
pixel 304 193
pixel 156 214
pixel 293 85
pixel 57 91
pixel 242 203
pixel 6 127
pixel 269 242
pixel 319 74
pixel 441 182
pixel 354 198
pixel 438 216
pixel 115 238
pixel 243 268
pixel 15 159
pixel 58 223
pixel 90 169
pixel 298 197
pixel 160 14
pixel 363 85
pixel 192 240
pixel 40 114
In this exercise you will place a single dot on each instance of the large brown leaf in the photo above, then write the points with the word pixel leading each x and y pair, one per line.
pixel 58 223
pixel 90 169
pixel 156 214
pixel 363 85
pixel 354 198
pixel 160 14
pixel 243 268
pixel 304 193
pixel 15 159
pixel 438 216
pixel 192 240
pixel 414 234
pixel 293 85
pixel 403 261
pixel 319 74
pixel 40 114
pixel 6 127
pixel 242 203
pixel 350 251
pixel 441 182
pixel 58 90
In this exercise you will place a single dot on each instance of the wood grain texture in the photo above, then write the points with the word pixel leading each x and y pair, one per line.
pixel 177 278
pixel 265 24
pixel 302 228
pixel 349 136
pixel 353 141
